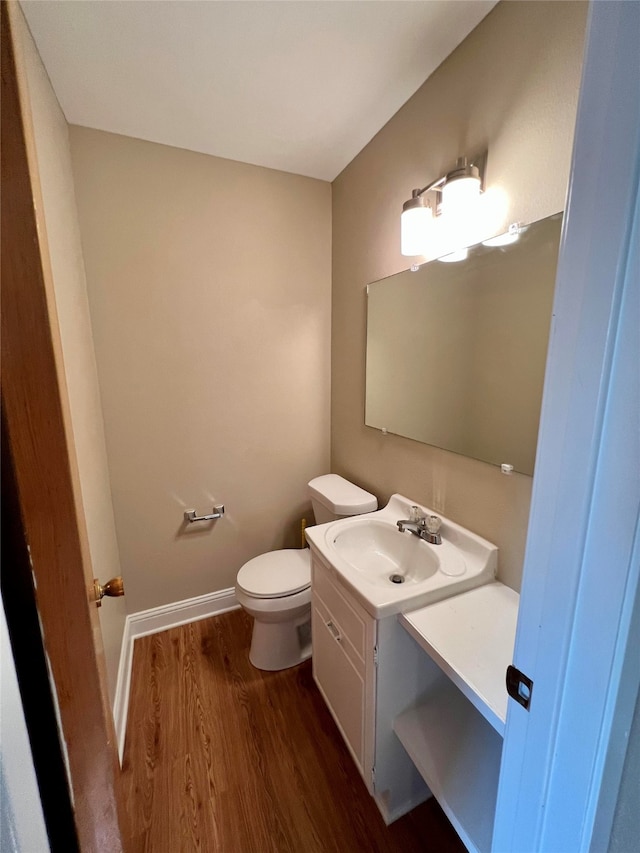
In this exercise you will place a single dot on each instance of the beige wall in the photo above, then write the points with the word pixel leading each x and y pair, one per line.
pixel 511 87
pixel 50 134
pixel 209 287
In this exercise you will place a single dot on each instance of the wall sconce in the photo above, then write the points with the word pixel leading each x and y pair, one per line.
pixel 460 189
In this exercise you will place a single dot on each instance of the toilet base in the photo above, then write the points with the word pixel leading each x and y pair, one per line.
pixel 280 645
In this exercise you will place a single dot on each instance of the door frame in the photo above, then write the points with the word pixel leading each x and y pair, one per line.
pixel 36 415
pixel 579 604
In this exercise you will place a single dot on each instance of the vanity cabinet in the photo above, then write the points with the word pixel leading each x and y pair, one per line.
pixel 413 674
pixel 355 666
pixel 344 648
pixel 419 697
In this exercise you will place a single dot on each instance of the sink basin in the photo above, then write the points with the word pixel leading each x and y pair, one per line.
pixel 392 572
pixel 380 554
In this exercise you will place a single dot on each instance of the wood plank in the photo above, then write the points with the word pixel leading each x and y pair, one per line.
pixel 223 757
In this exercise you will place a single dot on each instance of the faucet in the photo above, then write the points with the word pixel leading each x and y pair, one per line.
pixel 423 526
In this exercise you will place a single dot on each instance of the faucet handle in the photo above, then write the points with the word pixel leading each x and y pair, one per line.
pixel 414 514
pixel 433 523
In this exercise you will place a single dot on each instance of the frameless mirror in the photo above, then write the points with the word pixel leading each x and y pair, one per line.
pixel 456 352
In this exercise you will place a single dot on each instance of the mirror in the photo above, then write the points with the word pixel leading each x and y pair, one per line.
pixel 456 352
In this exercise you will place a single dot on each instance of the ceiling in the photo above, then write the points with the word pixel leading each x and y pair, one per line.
pixel 297 86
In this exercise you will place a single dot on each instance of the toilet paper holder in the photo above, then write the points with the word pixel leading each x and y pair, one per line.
pixel 191 516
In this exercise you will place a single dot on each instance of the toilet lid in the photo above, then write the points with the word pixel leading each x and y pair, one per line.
pixel 276 574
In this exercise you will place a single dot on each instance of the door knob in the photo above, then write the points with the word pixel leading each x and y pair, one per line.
pixel 112 588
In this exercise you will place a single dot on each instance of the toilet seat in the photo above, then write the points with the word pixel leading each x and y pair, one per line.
pixel 276 574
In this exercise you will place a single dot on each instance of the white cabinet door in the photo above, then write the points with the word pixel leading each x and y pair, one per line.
pixel 339 681
pixel 343 637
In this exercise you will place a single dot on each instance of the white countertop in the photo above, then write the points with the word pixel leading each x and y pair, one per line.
pixel 471 637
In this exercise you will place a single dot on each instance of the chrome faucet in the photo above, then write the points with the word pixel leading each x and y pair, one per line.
pixel 425 527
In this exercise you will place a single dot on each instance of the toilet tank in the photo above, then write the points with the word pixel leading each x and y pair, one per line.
pixel 333 497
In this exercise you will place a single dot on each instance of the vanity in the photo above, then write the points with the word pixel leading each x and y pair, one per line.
pixel 413 670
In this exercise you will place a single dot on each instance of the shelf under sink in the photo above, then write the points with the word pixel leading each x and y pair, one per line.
pixel 471 637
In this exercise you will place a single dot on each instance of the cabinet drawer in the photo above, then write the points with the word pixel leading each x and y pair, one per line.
pixel 340 637
pixel 339 681
pixel 350 621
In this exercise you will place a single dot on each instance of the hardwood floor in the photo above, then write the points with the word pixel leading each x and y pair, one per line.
pixel 223 758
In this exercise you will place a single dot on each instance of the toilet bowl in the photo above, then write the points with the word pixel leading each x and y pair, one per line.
pixel 275 588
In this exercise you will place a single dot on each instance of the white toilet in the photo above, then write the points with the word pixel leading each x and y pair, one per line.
pixel 275 588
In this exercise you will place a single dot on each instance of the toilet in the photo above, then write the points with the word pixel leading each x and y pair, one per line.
pixel 275 588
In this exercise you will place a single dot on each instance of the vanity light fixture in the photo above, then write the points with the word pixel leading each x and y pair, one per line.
pixel 459 188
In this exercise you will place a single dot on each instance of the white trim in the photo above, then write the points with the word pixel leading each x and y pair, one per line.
pixel 181 612
pixel 391 815
pixel 153 621
pixel 121 698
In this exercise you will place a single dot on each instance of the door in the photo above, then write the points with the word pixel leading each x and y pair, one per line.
pixel 36 417
pixel 562 759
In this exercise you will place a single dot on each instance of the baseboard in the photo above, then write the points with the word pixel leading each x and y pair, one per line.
pixel 153 621
pixel 121 698
pixel 391 815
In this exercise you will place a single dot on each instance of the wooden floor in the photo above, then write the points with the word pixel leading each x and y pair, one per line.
pixel 223 758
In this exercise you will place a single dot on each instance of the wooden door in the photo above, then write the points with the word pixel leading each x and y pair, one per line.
pixel 36 415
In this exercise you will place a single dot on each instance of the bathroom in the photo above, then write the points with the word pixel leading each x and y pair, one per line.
pixel 228 321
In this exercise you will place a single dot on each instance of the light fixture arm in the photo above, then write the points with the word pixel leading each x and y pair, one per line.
pixel 434 186
pixel 462 166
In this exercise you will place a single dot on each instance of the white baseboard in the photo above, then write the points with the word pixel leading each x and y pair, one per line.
pixel 153 621
pixel 389 816
pixel 121 698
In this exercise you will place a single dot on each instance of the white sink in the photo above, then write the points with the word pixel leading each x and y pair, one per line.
pixel 392 572
pixel 375 549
